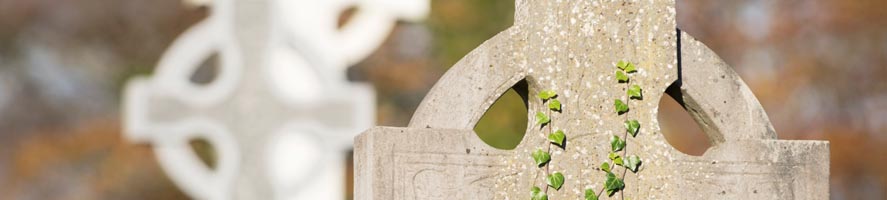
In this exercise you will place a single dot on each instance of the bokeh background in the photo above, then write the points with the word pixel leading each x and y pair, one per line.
pixel 818 67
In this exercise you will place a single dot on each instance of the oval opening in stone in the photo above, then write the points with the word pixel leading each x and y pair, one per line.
pixel 207 71
pixel 503 125
pixel 345 16
pixel 205 151
pixel 679 128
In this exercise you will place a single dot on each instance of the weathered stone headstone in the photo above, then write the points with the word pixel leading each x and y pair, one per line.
pixel 279 112
pixel 572 47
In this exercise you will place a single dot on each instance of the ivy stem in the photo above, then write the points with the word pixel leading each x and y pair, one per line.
pixel 548 146
pixel 625 136
pixel 624 149
pixel 600 192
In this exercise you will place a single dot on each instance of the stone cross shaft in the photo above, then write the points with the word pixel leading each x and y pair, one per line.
pixel 572 47
pixel 279 112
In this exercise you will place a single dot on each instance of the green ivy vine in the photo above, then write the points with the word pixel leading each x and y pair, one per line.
pixel 542 157
pixel 618 155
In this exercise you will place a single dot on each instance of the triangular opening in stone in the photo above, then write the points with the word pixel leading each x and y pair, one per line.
pixel 207 72
pixel 345 16
pixel 205 151
pixel 505 122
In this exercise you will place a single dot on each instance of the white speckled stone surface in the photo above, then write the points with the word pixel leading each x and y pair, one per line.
pixel 572 47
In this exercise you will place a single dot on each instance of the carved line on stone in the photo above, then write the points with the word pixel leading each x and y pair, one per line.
pixel 721 122
pixel 472 173
pixel 385 157
pixel 449 157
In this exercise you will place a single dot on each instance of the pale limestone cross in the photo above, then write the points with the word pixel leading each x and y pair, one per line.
pixel 572 47
pixel 280 112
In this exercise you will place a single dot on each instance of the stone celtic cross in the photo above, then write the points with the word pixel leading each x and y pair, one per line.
pixel 572 47
pixel 280 112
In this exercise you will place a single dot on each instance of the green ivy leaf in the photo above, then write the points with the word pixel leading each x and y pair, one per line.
pixel 616 143
pixel 590 194
pixel 633 163
pixel 541 157
pixel 617 160
pixel 605 166
pixel 613 155
pixel 542 118
pixel 610 177
pixel 554 105
pixel 557 137
pixel 556 180
pixel 613 184
pixel 634 92
pixel 621 77
pixel 620 106
pixel 621 65
pixel 537 194
pixel 632 127
pixel 629 68
pixel 546 94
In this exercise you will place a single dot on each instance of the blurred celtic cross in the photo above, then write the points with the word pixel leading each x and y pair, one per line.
pixel 573 47
pixel 277 108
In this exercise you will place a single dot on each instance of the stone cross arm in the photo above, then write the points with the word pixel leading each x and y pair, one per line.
pixel 418 163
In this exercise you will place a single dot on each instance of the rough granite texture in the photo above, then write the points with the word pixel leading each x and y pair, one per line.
pixel 572 47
